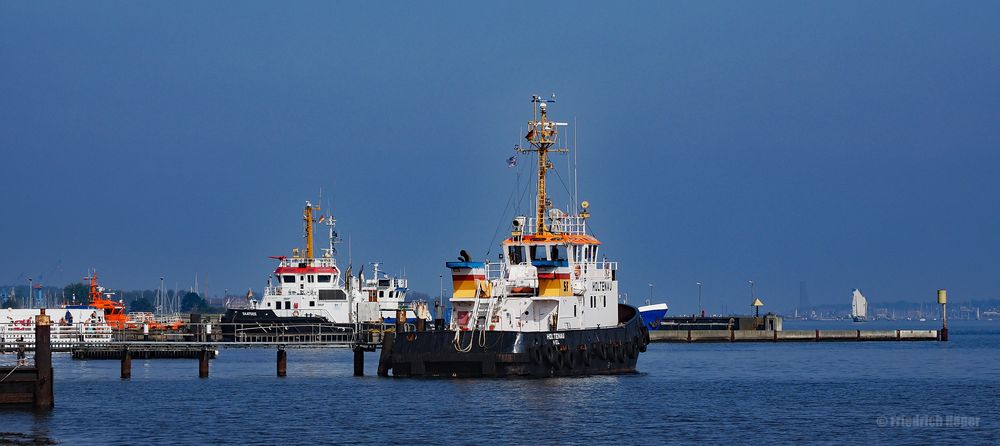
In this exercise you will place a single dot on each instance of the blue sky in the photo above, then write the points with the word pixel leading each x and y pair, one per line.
pixel 844 144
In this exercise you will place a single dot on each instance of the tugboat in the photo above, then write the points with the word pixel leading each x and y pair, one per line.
pixel 550 307
pixel 312 292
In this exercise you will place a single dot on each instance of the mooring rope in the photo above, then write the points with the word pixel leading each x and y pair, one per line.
pixel 11 372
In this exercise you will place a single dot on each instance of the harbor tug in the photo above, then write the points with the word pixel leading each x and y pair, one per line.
pixel 312 292
pixel 549 307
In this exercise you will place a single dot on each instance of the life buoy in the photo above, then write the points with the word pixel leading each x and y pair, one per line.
pixel 576 271
pixel 295 313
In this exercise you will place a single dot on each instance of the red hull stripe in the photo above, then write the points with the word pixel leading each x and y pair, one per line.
pixel 553 276
pixel 313 270
pixel 468 277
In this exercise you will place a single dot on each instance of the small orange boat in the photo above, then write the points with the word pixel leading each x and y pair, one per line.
pixel 114 312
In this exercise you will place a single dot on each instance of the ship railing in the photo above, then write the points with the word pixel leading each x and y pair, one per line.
pixel 494 271
pixel 567 224
pixel 600 269
pixel 59 334
pixel 278 291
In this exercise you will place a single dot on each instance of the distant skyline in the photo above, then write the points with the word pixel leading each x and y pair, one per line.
pixel 841 144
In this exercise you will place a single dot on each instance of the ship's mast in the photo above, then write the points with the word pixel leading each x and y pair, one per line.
pixel 542 136
pixel 307 217
pixel 332 236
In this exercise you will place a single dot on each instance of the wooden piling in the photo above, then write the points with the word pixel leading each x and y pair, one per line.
pixel 44 399
pixel 203 363
pixel 359 361
pixel 126 363
pixel 385 358
pixel 400 321
pixel 282 361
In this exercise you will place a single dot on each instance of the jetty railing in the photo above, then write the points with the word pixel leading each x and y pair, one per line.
pixel 366 336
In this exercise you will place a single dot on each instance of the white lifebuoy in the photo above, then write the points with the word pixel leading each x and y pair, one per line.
pixel 295 313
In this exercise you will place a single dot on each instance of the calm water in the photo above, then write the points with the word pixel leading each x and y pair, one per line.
pixel 826 393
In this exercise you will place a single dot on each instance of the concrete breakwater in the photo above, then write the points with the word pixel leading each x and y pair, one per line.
pixel 791 335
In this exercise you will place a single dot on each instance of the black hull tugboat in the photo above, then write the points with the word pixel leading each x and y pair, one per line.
pixel 549 307
pixel 604 351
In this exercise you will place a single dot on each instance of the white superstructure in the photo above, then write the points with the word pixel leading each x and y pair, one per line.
pixel 551 276
pixel 305 285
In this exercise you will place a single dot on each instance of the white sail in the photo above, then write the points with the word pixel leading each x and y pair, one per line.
pixel 859 306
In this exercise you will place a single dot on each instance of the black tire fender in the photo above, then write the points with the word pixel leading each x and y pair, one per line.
pixel 535 353
pixel 550 354
pixel 560 361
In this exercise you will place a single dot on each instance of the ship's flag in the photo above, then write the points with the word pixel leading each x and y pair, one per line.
pixel 512 161
pixel 321 218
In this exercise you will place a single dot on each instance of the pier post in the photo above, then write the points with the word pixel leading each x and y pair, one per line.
pixel 385 358
pixel 943 301
pixel 400 321
pixel 282 361
pixel 43 361
pixel 359 361
pixel 203 363
pixel 126 363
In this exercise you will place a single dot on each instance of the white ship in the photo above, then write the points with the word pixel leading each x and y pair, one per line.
pixel 306 290
pixel 859 307
pixel 69 325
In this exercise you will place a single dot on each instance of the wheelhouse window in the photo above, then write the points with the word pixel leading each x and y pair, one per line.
pixel 288 278
pixel 312 303
pixel 516 254
pixel 558 252
pixel 539 252
pixel 311 278
pixel 323 278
